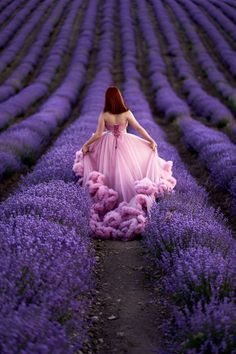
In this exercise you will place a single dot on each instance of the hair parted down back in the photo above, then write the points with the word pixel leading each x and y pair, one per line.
pixel 114 102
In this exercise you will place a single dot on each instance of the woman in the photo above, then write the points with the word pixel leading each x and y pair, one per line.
pixel 123 171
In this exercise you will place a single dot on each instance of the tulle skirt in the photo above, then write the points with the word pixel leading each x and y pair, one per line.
pixel 124 177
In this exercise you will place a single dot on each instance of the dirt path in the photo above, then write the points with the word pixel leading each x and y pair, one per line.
pixel 127 308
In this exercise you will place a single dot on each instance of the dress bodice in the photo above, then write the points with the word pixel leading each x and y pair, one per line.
pixel 116 129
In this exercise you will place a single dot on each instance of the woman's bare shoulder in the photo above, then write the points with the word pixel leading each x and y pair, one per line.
pixel 116 118
pixel 130 115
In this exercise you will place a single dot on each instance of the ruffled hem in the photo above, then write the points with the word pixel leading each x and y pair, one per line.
pixel 110 219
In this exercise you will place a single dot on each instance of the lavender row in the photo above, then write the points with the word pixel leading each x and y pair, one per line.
pixel 55 210
pixel 9 10
pixel 35 10
pixel 222 47
pixel 214 148
pixel 21 102
pixel 23 141
pixel 207 64
pixel 188 239
pixel 46 265
pixel 215 141
pixel 226 9
pixel 4 3
pixel 232 3
pixel 166 98
pixel 203 104
pixel 215 151
pixel 18 104
pixel 219 17
pixel 57 163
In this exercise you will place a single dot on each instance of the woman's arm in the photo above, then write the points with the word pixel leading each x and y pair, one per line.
pixel 93 138
pixel 97 134
pixel 134 123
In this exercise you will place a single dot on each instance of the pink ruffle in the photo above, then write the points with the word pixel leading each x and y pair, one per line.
pixel 78 165
pixel 110 219
pixel 123 222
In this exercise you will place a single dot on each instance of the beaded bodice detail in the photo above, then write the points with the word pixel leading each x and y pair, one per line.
pixel 116 129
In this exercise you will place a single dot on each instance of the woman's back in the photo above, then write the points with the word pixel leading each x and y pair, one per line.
pixel 118 119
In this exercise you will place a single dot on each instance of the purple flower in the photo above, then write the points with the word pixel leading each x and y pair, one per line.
pixel 208 328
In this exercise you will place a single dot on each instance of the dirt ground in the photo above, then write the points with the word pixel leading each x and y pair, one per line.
pixel 127 309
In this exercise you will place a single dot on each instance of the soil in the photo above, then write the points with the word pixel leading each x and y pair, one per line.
pixel 127 309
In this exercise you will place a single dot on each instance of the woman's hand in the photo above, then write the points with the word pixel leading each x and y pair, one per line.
pixel 85 148
pixel 153 145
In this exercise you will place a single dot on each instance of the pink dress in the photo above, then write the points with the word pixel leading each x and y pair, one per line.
pixel 124 177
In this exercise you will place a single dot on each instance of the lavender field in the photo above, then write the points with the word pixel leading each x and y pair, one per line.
pixel 173 289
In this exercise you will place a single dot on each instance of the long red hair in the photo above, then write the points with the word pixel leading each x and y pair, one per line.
pixel 114 102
